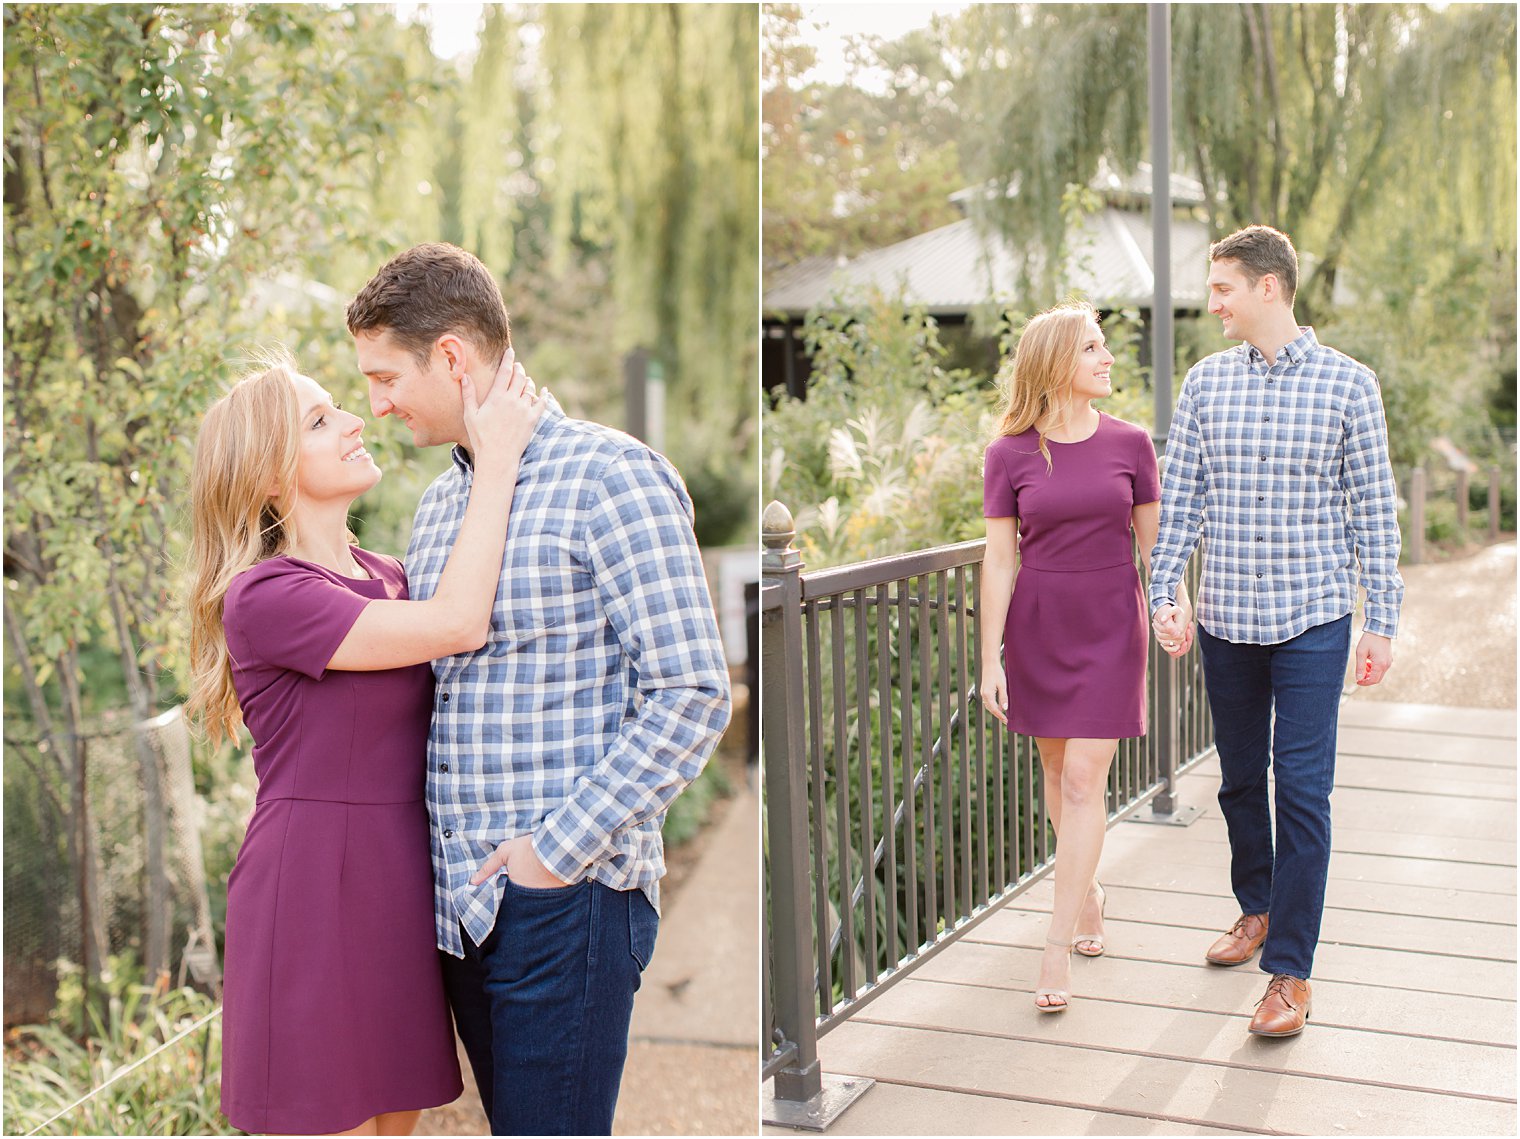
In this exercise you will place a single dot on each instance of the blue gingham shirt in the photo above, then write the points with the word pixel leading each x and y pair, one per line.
pixel 1282 468
pixel 602 689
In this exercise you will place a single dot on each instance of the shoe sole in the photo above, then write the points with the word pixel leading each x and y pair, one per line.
pixel 1231 964
pixel 1279 1035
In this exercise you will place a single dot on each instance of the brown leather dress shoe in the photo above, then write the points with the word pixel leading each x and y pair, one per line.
pixel 1240 944
pixel 1285 1008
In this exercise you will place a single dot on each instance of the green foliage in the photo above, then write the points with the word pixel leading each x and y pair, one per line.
pixel 844 170
pixel 690 811
pixel 176 1093
pixel 1432 360
pixel 1310 117
pixel 185 183
pixel 146 184
pixel 661 165
pixel 885 453
pixel 1051 89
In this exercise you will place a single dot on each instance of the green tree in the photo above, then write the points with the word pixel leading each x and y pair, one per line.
pixel 846 169
pixel 655 156
pixel 1307 117
pixel 146 182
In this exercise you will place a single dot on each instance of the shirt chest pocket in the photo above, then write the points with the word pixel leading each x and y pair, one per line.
pixel 545 591
pixel 1313 443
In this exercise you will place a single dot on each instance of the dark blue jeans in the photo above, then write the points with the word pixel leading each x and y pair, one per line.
pixel 543 1005
pixel 1300 680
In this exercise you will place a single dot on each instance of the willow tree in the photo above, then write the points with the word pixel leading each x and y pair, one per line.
pixel 157 160
pixel 655 156
pixel 1302 116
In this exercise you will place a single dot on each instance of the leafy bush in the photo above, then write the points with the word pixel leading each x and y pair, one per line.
pixel 175 1093
pixel 885 454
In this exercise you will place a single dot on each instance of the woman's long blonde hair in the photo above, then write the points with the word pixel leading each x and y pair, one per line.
pixel 248 446
pixel 1035 378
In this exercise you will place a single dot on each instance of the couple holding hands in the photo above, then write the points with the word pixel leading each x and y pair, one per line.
pixel 1278 460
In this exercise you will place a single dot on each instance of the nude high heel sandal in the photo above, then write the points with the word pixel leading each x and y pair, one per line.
pixel 1063 994
pixel 1096 938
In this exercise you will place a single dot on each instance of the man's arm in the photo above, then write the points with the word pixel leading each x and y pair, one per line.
pixel 648 572
pixel 1372 499
pixel 1182 499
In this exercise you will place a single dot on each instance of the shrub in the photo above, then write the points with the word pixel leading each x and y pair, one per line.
pixel 176 1093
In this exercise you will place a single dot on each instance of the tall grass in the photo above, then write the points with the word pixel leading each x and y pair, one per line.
pixel 47 1066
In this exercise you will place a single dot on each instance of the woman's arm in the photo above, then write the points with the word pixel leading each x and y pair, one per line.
pixel 1146 518
pixel 999 570
pixel 457 618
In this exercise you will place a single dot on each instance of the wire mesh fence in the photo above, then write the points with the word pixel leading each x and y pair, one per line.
pixel 95 865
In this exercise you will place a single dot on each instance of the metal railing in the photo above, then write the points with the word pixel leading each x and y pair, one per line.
pixel 898 813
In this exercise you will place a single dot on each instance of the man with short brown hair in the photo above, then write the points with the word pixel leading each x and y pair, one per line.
pixel 556 748
pixel 1278 458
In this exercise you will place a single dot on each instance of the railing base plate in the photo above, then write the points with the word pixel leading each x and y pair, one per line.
pixel 1181 817
pixel 817 1113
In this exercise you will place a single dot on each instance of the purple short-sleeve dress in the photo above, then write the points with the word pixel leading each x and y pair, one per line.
pixel 1074 645
pixel 333 1003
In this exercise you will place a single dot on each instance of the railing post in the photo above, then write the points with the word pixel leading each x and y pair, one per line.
pixel 800 1095
pixel 1494 489
pixel 1462 496
pixel 1165 731
pixel 1417 516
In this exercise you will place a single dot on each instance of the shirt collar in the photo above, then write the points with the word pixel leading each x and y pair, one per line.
pixel 1296 350
pixel 546 422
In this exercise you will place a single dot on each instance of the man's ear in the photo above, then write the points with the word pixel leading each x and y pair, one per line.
pixel 1271 288
pixel 452 347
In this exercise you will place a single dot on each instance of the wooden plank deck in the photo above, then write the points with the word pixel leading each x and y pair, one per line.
pixel 1413 1030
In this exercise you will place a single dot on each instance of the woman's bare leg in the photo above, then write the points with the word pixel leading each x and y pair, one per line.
pixel 1076 776
pixel 396 1122
pixel 386 1123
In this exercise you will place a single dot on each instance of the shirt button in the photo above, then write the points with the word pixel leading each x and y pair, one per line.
pixel 1259 538
pixel 445 697
pixel 1258 576
pixel 1266 419
pixel 443 767
pixel 1261 498
pixel 1263 459
pixel 450 834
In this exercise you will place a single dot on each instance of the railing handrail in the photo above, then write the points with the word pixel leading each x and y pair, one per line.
pixel 880 571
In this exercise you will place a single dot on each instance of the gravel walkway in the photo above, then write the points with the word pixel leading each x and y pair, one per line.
pixel 1456 642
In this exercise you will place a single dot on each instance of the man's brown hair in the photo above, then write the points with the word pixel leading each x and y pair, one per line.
pixel 427 291
pixel 1259 250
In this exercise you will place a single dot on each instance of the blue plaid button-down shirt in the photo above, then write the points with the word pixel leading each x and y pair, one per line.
pixel 1282 469
pixel 602 689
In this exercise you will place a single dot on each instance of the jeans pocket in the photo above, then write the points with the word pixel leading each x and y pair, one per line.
pixel 550 891
pixel 643 926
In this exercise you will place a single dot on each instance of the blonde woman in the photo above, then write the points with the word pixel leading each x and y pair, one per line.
pixel 1066 487
pixel 334 1017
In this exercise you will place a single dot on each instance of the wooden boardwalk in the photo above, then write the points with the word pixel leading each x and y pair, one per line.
pixel 1413 1029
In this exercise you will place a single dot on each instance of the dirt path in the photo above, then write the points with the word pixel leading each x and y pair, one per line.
pixel 1456 642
